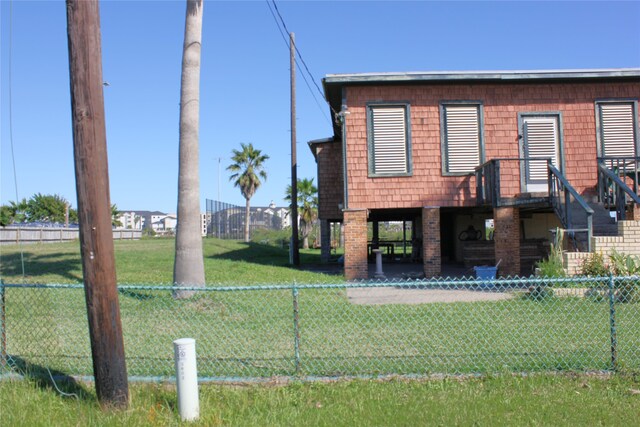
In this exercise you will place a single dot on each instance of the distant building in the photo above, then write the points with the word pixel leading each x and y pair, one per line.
pixel 159 222
pixel 226 221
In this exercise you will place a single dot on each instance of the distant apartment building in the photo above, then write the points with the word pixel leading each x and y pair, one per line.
pixel 159 222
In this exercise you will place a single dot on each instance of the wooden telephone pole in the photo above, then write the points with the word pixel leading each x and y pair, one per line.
pixel 94 207
pixel 294 160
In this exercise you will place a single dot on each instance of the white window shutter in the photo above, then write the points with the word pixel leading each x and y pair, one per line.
pixel 541 141
pixel 462 138
pixel 389 140
pixel 617 129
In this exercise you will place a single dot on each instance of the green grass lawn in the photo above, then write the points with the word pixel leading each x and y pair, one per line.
pixel 150 261
pixel 493 401
pixel 250 333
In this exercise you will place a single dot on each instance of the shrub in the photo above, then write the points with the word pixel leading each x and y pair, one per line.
pixel 271 237
pixel 148 232
pixel 626 265
pixel 595 266
pixel 538 293
pixel 553 266
pixel 619 265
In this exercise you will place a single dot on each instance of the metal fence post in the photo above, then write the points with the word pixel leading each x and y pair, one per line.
pixel 612 322
pixel 296 330
pixel 3 329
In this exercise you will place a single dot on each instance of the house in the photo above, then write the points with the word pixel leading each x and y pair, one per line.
pixel 165 223
pixel 447 152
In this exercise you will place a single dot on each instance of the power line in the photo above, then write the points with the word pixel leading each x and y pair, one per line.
pixel 284 38
pixel 281 24
pixel 298 51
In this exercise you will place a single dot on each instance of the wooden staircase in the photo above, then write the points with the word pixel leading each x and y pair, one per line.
pixel 603 224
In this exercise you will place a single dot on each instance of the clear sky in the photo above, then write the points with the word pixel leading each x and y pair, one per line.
pixel 245 78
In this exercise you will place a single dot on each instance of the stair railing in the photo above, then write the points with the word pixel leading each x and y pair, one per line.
pixel 613 191
pixel 560 195
pixel 488 191
pixel 624 168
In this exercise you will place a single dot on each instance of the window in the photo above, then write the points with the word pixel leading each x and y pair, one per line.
pixel 617 128
pixel 540 139
pixel 461 130
pixel 389 146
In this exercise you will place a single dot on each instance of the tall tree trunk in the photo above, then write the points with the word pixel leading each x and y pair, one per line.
pixel 189 263
pixel 305 233
pixel 247 221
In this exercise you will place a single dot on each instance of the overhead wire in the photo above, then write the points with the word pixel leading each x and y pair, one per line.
pixel 281 24
pixel 296 61
pixel 298 52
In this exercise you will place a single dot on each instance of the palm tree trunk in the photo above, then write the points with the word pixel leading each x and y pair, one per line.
pixel 189 262
pixel 305 233
pixel 247 221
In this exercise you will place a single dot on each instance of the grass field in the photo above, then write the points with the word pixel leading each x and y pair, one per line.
pixel 499 401
pixel 250 334
pixel 150 261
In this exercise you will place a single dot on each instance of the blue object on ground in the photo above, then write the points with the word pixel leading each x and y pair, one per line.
pixel 486 273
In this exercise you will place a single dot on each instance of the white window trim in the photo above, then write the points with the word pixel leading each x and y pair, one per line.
pixel 444 137
pixel 599 130
pixel 372 143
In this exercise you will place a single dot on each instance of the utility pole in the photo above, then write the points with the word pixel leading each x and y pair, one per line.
pixel 94 206
pixel 294 161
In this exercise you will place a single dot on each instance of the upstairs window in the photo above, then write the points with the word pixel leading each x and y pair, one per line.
pixel 461 133
pixel 617 128
pixel 388 140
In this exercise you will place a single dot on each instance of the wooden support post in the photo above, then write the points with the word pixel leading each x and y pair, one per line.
pixel 294 161
pixel 94 207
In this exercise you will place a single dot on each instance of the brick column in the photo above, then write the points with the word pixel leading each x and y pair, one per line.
pixel 325 240
pixel 506 237
pixel 431 251
pixel 355 244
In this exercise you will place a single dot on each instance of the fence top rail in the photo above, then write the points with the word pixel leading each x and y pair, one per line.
pixel 504 282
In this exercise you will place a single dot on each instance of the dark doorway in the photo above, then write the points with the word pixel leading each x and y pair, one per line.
pixel 448 236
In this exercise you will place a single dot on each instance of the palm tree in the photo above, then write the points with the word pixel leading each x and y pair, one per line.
pixel 115 216
pixel 248 168
pixel 307 207
pixel 188 269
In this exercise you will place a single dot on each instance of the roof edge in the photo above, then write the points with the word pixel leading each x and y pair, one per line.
pixel 482 75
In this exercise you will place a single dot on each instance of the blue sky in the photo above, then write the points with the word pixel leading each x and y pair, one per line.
pixel 245 78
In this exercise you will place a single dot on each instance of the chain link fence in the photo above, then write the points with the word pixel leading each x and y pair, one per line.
pixel 226 221
pixel 413 328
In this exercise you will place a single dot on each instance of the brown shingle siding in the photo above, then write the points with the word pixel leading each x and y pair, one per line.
pixel 501 105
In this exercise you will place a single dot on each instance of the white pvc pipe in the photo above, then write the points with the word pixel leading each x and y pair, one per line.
pixel 187 378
